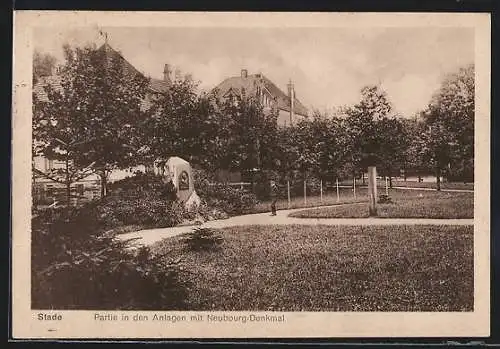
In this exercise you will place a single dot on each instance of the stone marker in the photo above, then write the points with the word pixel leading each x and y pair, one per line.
pixel 181 173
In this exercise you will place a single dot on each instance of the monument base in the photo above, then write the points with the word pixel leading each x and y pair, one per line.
pixel 193 200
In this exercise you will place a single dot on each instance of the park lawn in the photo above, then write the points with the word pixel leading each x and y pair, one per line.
pixel 330 268
pixel 444 185
pixel 438 205
pixel 346 195
pixel 398 182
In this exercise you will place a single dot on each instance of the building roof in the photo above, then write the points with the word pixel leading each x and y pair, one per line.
pixel 250 84
pixel 155 85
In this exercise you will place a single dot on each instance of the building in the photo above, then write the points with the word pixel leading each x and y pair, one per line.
pixel 47 191
pixel 288 108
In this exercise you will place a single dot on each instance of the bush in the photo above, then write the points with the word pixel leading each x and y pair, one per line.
pixel 202 239
pixel 262 183
pixel 461 172
pixel 231 200
pixel 146 211
pixel 143 199
pixel 76 266
pixel 384 199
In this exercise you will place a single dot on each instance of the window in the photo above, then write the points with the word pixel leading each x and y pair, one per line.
pixel 49 190
pixel 80 189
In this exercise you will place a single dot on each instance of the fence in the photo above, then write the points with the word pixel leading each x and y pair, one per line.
pixel 317 192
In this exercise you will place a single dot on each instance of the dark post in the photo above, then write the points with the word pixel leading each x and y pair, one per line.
pixel 372 189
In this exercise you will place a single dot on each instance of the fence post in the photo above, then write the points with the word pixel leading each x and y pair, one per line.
pixel 321 190
pixel 372 189
pixel 354 186
pixel 288 191
pixel 386 187
pixel 337 182
pixel 305 192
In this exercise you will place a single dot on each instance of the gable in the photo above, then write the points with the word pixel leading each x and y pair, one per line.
pixel 129 71
pixel 252 83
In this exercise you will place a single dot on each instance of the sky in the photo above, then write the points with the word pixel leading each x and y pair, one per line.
pixel 328 66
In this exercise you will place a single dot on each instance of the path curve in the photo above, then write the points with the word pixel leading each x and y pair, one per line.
pixel 151 236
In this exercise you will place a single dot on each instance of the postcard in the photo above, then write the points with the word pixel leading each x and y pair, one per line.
pixel 250 175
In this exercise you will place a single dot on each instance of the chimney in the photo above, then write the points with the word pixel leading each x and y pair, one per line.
pixel 244 73
pixel 166 72
pixel 291 95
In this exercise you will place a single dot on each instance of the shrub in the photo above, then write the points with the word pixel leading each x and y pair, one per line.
pixel 143 199
pixel 202 239
pixel 231 200
pixel 137 183
pixel 384 199
pixel 76 266
pixel 150 212
pixel 262 183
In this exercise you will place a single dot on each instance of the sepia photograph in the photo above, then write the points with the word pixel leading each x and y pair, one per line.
pixel 243 174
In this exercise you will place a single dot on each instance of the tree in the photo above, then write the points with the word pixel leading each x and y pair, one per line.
pixel 173 127
pixel 91 122
pixel 448 140
pixel 393 140
pixel 363 141
pixel 413 161
pixel 252 134
pixel 326 144
pixel 189 125
pixel 43 65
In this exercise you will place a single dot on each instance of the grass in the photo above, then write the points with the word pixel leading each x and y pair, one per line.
pixel 444 185
pixel 432 205
pixel 399 182
pixel 346 195
pixel 331 268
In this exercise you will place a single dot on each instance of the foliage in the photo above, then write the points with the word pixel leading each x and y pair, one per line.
pixel 76 266
pixel 202 239
pixel 146 211
pixel 91 121
pixel 230 200
pixel 252 144
pixel 384 199
pixel 447 140
pixel 98 122
pixel 143 199
pixel 43 65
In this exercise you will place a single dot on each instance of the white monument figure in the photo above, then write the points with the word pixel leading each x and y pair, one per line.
pixel 181 173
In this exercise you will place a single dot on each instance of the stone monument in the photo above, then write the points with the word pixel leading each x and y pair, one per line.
pixel 181 174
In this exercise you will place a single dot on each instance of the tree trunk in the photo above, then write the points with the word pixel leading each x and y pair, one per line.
pixel 68 184
pixel 104 183
pixel 390 179
pixel 363 178
pixel 438 178
pixel 68 193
